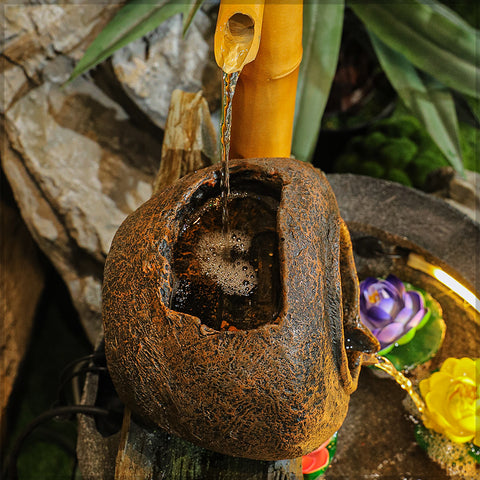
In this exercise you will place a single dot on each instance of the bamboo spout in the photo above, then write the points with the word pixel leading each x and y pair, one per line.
pixel 264 102
pixel 237 35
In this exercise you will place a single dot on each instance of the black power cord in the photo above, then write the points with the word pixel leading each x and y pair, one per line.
pixel 112 412
pixel 10 472
pixel 71 376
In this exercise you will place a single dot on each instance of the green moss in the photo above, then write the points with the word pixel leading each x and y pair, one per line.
pixel 54 461
pixel 373 141
pixel 400 127
pixel 356 145
pixel 424 164
pixel 398 152
pixel 348 163
pixel 372 169
pixel 396 175
pixel 400 149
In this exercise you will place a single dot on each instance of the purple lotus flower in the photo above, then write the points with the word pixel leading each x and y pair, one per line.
pixel 388 310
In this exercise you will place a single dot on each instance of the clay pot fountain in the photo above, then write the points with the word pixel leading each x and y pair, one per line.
pixel 248 342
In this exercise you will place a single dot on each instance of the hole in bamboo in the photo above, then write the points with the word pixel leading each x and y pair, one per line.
pixel 241 27
pixel 237 41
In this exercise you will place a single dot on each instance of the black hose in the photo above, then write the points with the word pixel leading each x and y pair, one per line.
pixel 10 472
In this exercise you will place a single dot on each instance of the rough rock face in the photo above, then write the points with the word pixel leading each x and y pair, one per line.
pixel 35 35
pixel 77 168
pixel 150 69
pixel 270 390
pixel 76 161
pixel 40 45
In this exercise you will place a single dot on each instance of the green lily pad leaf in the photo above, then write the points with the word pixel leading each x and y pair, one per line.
pixel 410 334
pixel 425 341
pixel 387 349
pixel 407 337
pixel 474 452
pixel 424 320
pixel 422 436
pixel 439 448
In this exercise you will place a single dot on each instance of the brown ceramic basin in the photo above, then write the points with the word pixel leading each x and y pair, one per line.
pixel 253 351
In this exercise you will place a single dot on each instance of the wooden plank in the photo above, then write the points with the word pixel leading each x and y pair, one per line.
pixel 22 281
pixel 154 454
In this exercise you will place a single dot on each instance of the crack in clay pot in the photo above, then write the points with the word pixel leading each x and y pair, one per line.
pixel 277 384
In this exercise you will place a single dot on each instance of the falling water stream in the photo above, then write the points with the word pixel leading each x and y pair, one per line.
pixel 228 90
pixel 387 366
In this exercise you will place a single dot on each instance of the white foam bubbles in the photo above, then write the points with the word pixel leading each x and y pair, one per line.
pixel 224 258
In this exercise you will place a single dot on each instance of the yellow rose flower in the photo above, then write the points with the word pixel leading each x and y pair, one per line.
pixel 452 398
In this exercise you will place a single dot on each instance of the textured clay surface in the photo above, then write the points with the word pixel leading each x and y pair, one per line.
pixel 270 392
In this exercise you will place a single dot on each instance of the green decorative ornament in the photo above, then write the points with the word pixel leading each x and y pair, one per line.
pixel 421 343
pixel 316 463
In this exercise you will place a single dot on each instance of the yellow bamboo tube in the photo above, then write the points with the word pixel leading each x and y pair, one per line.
pixel 237 34
pixel 264 101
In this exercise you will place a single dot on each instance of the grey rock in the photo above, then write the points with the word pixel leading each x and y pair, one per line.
pixel 36 34
pixel 461 193
pixel 79 168
pixel 150 69
pixel 76 162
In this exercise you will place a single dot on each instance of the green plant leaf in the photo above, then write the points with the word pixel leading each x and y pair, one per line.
pixel 430 101
pixel 187 18
pixel 474 104
pixel 430 36
pixel 322 32
pixel 135 19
